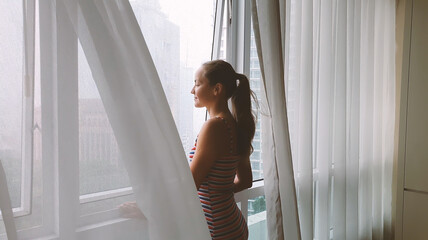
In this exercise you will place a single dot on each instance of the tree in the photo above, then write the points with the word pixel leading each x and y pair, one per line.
pixel 259 205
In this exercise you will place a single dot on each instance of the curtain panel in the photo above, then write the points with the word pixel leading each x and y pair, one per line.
pixel 281 203
pixel 140 117
pixel 336 73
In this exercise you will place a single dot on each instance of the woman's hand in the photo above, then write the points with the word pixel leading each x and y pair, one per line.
pixel 130 210
pixel 244 175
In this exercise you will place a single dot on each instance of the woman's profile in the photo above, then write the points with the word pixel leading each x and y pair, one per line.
pixel 220 159
pixel 220 162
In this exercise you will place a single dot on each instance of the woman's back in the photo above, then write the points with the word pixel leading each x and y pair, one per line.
pixel 217 169
pixel 224 218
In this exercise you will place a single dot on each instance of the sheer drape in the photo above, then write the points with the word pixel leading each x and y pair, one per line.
pixel 139 114
pixel 281 206
pixel 339 84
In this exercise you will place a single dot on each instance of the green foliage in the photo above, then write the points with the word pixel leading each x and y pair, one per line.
pixel 259 204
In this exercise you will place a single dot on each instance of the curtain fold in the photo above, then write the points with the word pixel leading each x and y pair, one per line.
pixel 278 167
pixel 273 213
pixel 339 89
pixel 302 120
pixel 141 119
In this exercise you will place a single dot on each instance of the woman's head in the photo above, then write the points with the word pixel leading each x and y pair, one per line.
pixel 221 75
pixel 221 72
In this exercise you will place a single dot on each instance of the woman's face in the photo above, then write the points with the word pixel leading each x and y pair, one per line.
pixel 202 90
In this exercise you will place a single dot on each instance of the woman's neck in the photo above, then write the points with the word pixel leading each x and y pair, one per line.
pixel 218 109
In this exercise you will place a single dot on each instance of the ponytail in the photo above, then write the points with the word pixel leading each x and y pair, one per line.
pixel 243 114
pixel 238 89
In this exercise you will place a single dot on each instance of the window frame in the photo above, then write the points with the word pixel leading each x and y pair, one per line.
pixel 60 136
pixel 28 107
pixel 45 16
pixel 238 54
pixel 27 111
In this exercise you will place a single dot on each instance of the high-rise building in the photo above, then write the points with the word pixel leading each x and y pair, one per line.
pixel 163 40
pixel 255 84
pixel 185 122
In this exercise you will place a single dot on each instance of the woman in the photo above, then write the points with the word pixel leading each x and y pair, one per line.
pixel 220 160
pixel 220 163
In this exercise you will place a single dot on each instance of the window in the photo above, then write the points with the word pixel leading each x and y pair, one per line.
pixel 253 51
pixel 257 218
pixel 255 83
pixel 254 59
pixel 255 73
pixel 178 45
pixel 102 175
pixel 169 34
pixel 190 45
pixel 20 116
pixel 12 98
pixel 252 201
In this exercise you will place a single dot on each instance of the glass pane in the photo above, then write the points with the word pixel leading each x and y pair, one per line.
pixel 223 41
pixel 255 84
pixel 257 218
pixel 179 37
pixel 100 163
pixel 11 65
pixel 105 205
pixel 34 218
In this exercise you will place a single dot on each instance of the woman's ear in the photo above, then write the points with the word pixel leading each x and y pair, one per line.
pixel 218 89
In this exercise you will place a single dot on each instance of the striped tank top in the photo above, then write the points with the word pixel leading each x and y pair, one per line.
pixel 225 220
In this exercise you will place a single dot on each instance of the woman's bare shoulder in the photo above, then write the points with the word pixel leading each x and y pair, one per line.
pixel 213 124
pixel 213 127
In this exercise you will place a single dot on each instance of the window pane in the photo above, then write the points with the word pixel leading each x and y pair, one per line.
pixel 178 47
pixel 30 214
pixel 179 44
pixel 102 175
pixel 11 104
pixel 257 218
pixel 255 83
pixel 100 163
pixel 223 45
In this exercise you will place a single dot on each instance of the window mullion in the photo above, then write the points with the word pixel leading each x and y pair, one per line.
pixel 218 26
pixel 235 34
pixel 67 121
pixel 247 37
pixel 48 113
pixel 28 104
pixel 229 31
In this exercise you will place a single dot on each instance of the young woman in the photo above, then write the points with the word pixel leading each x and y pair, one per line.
pixel 220 159
pixel 220 162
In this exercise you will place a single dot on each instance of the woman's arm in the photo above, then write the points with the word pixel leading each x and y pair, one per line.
pixel 244 175
pixel 208 149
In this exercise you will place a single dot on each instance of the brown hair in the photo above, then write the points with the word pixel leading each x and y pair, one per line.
pixel 238 88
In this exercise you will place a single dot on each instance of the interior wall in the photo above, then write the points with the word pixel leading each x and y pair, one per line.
pixel 411 133
pixel 399 42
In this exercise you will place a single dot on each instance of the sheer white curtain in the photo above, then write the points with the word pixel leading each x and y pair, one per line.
pixel 140 117
pixel 339 86
pixel 137 109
